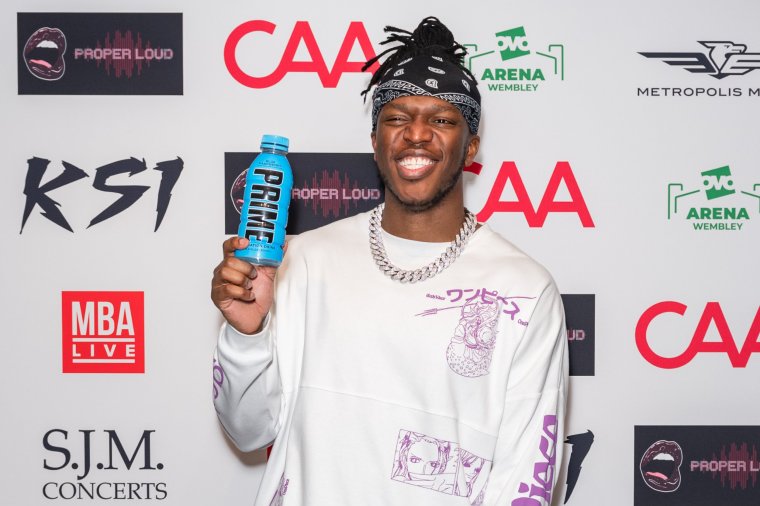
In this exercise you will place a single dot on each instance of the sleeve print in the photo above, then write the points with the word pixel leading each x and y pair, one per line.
pixel 534 490
pixel 524 469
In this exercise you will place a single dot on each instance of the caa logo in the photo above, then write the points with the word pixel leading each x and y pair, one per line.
pixel 711 315
pixel 508 173
pixel 302 33
pixel 103 332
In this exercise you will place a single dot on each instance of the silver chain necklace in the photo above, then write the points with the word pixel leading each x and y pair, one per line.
pixel 444 260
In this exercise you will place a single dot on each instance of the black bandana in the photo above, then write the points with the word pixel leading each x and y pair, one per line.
pixel 429 76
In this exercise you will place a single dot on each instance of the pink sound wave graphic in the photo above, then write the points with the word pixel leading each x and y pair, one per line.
pixel 124 65
pixel 331 194
pixel 747 466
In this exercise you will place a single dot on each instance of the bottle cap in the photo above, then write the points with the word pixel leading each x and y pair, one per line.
pixel 275 142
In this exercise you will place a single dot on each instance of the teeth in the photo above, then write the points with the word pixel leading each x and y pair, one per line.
pixel 415 162
pixel 48 43
pixel 663 456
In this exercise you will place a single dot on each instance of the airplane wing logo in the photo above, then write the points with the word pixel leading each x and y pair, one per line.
pixel 721 59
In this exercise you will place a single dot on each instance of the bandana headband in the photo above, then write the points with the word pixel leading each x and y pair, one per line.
pixel 429 76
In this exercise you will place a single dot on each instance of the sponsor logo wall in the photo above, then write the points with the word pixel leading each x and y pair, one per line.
pixel 617 148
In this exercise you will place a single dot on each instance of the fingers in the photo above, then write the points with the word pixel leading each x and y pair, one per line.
pixel 229 292
pixel 233 243
pixel 232 279
pixel 235 276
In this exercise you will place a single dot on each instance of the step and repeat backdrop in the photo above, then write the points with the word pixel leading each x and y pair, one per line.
pixel 619 148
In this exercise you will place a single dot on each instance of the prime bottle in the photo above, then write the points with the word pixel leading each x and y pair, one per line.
pixel 264 214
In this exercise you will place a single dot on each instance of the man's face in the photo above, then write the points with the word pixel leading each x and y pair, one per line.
pixel 421 145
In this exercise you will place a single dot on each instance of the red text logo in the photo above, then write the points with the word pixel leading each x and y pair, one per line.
pixel 103 332
pixel 302 33
pixel 535 217
pixel 712 315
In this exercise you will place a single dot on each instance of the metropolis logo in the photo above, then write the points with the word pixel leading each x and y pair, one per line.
pixel 103 332
pixel 718 59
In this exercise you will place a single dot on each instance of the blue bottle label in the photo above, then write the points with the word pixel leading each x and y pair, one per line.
pixel 264 215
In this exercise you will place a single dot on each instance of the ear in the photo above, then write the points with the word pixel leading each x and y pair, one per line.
pixel 473 145
pixel 373 136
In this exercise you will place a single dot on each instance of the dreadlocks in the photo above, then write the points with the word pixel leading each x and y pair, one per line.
pixel 428 62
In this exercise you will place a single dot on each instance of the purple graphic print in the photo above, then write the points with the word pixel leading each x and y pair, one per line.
pixel 218 376
pixel 478 501
pixel 540 489
pixel 439 465
pixel 483 295
pixel 471 348
pixel 282 489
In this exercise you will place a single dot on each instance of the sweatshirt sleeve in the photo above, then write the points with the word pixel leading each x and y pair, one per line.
pixel 529 445
pixel 248 369
pixel 247 387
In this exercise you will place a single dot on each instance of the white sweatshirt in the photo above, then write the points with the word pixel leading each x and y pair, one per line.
pixel 449 391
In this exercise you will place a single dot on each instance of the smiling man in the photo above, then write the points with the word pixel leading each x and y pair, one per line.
pixel 408 355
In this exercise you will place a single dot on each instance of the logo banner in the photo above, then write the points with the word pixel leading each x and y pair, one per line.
pixel 99 54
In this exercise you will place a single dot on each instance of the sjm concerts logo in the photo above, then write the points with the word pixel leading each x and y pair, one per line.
pixel 84 461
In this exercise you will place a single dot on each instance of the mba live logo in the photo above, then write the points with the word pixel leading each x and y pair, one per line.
pixel 103 332
pixel 716 204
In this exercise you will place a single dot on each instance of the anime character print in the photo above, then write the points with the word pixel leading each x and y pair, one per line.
pixel 471 348
pixel 425 461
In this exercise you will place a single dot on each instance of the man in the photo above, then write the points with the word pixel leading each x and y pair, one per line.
pixel 407 355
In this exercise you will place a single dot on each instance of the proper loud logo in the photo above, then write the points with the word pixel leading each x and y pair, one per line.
pixel 326 187
pixel 99 54
pixel 696 465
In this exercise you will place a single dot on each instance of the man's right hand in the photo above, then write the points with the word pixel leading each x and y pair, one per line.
pixel 242 292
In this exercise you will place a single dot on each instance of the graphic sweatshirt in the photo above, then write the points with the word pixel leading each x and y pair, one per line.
pixel 449 391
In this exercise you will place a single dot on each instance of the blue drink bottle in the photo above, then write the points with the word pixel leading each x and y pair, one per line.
pixel 264 215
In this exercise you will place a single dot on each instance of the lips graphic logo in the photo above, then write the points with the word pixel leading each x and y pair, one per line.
pixel 43 54
pixel 661 466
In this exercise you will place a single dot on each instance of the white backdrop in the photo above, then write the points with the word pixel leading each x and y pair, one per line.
pixel 624 150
